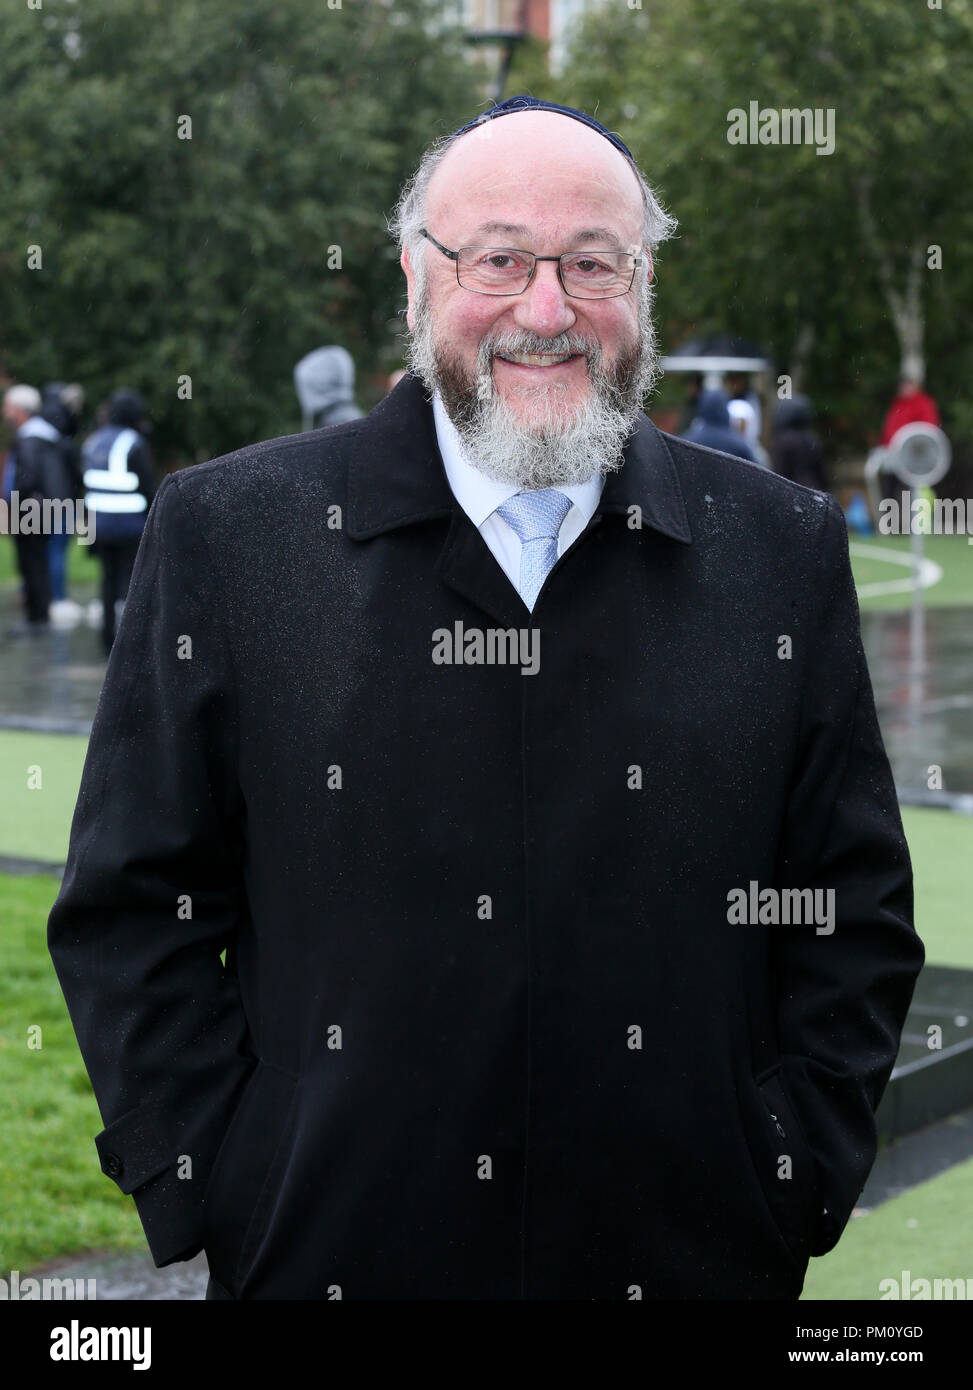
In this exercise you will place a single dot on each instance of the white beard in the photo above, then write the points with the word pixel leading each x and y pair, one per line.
pixel 563 445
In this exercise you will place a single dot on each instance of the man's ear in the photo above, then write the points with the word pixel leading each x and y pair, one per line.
pixel 648 252
pixel 406 264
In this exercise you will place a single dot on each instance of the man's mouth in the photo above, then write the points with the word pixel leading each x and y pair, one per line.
pixel 536 359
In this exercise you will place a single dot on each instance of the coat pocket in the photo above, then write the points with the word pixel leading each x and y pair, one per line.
pixel 240 1190
pixel 784 1164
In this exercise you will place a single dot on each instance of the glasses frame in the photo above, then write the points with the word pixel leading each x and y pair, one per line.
pixel 510 294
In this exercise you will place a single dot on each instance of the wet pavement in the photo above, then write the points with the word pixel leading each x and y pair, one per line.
pixel 129 1276
pixel 49 682
pixel 923 687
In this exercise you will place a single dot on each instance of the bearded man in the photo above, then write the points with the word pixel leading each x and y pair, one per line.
pixel 492 1021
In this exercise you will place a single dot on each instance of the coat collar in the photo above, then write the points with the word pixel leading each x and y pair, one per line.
pixel 396 475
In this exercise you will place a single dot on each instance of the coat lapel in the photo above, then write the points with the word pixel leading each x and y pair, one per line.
pixel 396 478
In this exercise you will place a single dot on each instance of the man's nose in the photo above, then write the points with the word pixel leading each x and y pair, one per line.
pixel 544 308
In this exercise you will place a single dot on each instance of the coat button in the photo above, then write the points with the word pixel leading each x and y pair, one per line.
pixel 112 1165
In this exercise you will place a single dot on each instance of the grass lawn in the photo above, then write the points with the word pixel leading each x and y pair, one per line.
pixel 54 1199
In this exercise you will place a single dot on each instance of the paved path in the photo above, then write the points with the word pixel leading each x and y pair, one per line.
pixel 131 1276
pixel 926 714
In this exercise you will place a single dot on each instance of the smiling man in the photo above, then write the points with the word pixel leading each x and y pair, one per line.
pixel 540 349
pixel 488 1025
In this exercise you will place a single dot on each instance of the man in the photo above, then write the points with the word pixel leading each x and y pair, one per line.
pixel 469 811
pixel 37 463
pixel 120 483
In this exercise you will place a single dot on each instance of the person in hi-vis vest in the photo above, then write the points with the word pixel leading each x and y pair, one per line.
pixel 120 482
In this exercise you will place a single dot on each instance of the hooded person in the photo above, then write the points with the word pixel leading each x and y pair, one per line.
pixel 711 426
pixel 325 385
pixel 796 448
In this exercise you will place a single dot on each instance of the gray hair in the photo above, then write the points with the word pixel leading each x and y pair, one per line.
pixel 23 397
pixel 410 210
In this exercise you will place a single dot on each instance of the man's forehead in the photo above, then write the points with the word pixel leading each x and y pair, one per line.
pixel 590 231
pixel 536 164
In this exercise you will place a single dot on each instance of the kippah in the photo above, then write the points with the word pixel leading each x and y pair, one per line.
pixel 528 103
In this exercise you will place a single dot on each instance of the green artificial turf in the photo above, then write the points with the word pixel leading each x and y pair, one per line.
pixel 953 554
pixel 925 1231
pixel 35 821
pixel 941 845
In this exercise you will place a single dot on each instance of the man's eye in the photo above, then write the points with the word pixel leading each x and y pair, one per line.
pixel 499 260
pixel 586 264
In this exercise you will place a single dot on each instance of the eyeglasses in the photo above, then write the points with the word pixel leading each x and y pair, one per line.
pixel 503 270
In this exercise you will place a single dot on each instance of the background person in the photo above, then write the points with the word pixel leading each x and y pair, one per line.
pixel 912 406
pixel 61 408
pixel 120 482
pixel 738 388
pixel 711 426
pixel 796 448
pixel 325 385
pixel 37 462
pixel 743 421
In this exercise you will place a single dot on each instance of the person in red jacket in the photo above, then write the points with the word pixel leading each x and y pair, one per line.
pixel 911 406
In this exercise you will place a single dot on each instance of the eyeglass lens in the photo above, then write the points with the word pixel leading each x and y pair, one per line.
pixel 585 274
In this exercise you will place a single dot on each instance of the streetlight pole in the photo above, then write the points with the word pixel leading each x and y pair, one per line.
pixel 505 36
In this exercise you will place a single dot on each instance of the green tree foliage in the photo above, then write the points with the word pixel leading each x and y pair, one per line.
pixel 209 257
pixel 808 254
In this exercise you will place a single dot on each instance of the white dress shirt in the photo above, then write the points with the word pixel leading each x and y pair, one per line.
pixel 479 496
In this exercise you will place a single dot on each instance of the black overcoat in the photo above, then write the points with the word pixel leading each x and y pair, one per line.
pixel 488 1026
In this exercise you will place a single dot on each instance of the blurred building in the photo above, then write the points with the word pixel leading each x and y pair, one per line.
pixel 550 21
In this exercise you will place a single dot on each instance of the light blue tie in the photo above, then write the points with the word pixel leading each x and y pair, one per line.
pixel 536 517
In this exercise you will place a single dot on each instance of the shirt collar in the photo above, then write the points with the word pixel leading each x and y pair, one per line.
pixel 396 477
pixel 480 496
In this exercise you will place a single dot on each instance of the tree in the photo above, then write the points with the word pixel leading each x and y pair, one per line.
pixel 208 186
pixel 827 259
